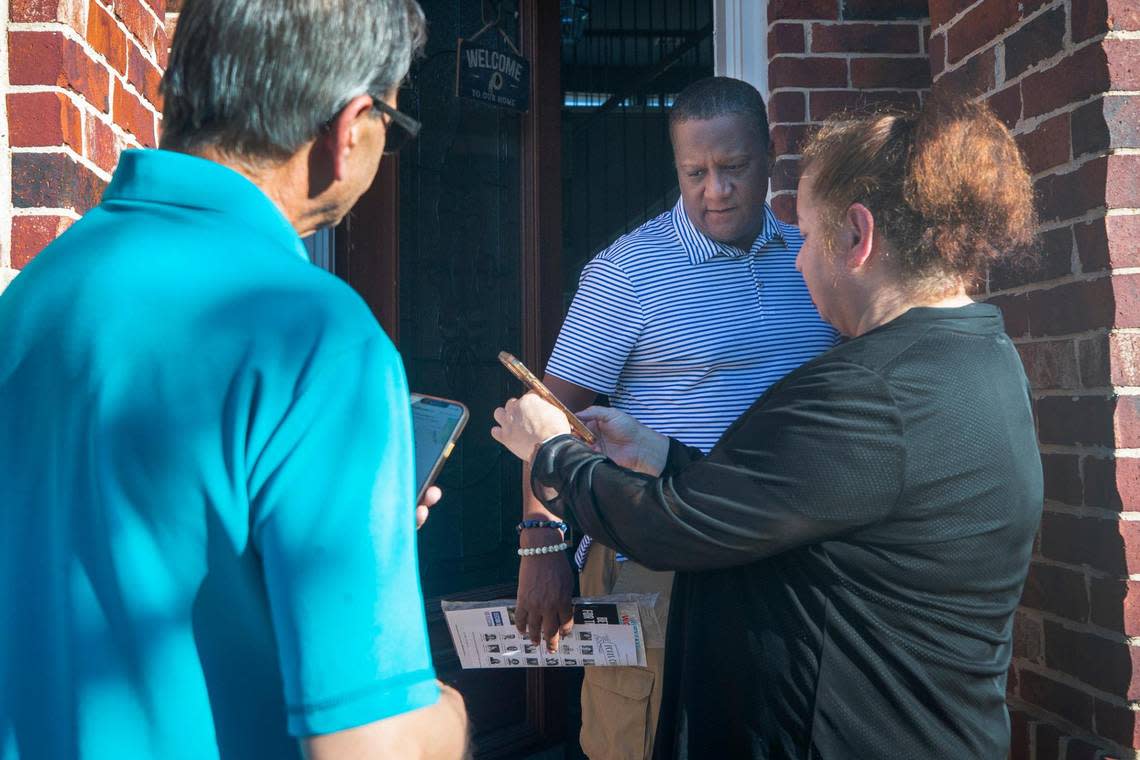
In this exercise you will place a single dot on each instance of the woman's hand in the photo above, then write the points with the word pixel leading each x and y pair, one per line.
pixel 526 422
pixel 626 441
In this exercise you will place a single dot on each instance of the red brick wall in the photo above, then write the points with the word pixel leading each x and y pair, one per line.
pixel 1064 75
pixel 82 86
pixel 826 56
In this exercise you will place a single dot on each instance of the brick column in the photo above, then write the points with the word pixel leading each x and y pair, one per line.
pixel 83 84
pixel 6 270
pixel 831 55
pixel 1064 75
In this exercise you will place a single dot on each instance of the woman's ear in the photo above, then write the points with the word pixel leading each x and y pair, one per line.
pixel 860 229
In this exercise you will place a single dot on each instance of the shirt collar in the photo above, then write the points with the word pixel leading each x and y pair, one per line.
pixel 179 179
pixel 701 248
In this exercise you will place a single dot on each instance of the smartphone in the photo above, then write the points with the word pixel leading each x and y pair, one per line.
pixel 519 370
pixel 436 425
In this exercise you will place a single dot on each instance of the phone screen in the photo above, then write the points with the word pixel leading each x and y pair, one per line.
pixel 436 423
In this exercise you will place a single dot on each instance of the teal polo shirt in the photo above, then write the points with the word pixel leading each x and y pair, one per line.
pixel 207 523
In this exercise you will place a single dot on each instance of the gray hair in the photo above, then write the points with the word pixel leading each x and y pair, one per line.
pixel 257 79
pixel 711 97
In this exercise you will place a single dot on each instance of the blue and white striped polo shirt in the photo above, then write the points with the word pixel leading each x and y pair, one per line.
pixel 683 332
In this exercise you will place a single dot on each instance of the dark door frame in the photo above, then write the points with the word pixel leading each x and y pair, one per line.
pixel 367 247
pixel 541 32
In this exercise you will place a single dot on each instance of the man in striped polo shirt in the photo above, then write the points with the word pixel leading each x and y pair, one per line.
pixel 683 323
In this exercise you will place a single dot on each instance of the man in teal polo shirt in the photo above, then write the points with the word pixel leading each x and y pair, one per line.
pixel 207 528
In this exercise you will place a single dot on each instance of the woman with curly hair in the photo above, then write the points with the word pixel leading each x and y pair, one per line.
pixel 850 554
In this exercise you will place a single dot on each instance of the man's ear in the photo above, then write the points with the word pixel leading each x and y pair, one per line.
pixel 342 135
pixel 860 230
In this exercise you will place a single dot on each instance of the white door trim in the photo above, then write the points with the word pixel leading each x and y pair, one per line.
pixel 740 43
pixel 740 40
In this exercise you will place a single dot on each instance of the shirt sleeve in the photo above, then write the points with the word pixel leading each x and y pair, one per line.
pixel 600 330
pixel 821 455
pixel 333 518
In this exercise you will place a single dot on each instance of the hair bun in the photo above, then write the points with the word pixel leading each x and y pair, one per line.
pixel 947 186
pixel 967 181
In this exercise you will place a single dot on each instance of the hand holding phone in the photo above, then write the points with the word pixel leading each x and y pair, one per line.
pixel 519 370
pixel 436 425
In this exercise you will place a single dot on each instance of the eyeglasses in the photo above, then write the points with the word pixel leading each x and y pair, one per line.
pixel 406 128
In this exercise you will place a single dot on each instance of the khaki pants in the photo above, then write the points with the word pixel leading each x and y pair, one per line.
pixel 620 706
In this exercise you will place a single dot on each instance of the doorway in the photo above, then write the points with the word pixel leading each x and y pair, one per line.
pixel 623 63
pixel 458 248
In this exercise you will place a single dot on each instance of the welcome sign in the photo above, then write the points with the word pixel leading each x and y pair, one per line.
pixel 493 76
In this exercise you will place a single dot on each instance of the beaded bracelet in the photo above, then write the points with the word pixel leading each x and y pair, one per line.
pixel 562 527
pixel 544 549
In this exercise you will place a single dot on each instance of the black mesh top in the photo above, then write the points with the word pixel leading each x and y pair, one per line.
pixel 849 555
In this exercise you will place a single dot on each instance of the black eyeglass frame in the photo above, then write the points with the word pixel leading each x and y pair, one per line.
pixel 407 127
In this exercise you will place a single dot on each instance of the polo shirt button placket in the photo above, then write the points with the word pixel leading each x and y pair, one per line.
pixel 758 283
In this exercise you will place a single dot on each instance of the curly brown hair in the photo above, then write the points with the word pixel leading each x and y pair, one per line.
pixel 946 185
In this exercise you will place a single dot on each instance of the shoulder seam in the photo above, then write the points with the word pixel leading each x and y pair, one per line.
pixel 879 376
pixel 334 357
pixel 632 286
